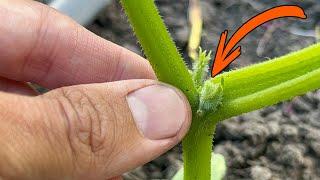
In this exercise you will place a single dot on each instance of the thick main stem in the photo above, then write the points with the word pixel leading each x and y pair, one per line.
pixel 159 47
pixel 197 149
pixel 170 68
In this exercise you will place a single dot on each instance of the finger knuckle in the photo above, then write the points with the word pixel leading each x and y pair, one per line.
pixel 91 118
pixel 49 29
pixel 85 119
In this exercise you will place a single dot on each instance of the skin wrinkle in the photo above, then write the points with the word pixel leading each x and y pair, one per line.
pixel 72 49
pixel 26 162
pixel 86 118
pixel 55 132
pixel 113 117
pixel 52 53
pixel 119 66
pixel 101 155
pixel 74 121
pixel 53 48
pixel 94 149
pixel 96 144
pixel 50 143
pixel 11 20
pixel 76 104
pixel 38 30
pixel 50 146
pixel 112 137
pixel 94 114
pixel 65 116
pixel 124 65
pixel 63 100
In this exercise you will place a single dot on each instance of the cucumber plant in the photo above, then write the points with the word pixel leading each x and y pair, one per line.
pixel 228 94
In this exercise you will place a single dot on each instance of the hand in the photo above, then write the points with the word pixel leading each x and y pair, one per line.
pixel 83 128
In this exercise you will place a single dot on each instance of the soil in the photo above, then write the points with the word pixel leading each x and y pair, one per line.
pixel 278 142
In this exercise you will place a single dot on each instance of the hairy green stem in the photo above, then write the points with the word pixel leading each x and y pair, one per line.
pixel 159 47
pixel 170 68
pixel 268 83
pixel 197 149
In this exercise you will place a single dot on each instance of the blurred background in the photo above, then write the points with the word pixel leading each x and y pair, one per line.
pixel 278 142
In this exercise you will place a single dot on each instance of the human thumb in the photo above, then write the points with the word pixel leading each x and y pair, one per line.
pixel 98 131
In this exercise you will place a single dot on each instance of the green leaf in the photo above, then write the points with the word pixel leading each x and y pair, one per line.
pixel 200 68
pixel 210 97
pixel 218 168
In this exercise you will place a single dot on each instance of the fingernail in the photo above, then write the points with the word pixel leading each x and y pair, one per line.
pixel 159 111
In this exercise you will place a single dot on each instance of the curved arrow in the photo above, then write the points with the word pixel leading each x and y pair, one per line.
pixel 224 56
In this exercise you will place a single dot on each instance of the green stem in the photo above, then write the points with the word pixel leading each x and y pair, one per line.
pixel 268 83
pixel 170 68
pixel 197 150
pixel 159 46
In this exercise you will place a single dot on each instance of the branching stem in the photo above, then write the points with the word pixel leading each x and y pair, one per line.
pixel 244 90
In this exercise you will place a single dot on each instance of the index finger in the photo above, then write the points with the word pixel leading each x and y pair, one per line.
pixel 40 45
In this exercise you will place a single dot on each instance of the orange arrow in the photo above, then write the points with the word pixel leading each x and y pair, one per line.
pixel 224 56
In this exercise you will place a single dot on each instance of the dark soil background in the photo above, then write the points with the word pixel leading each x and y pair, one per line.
pixel 279 142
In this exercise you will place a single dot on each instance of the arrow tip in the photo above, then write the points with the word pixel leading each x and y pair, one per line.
pixel 217 67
